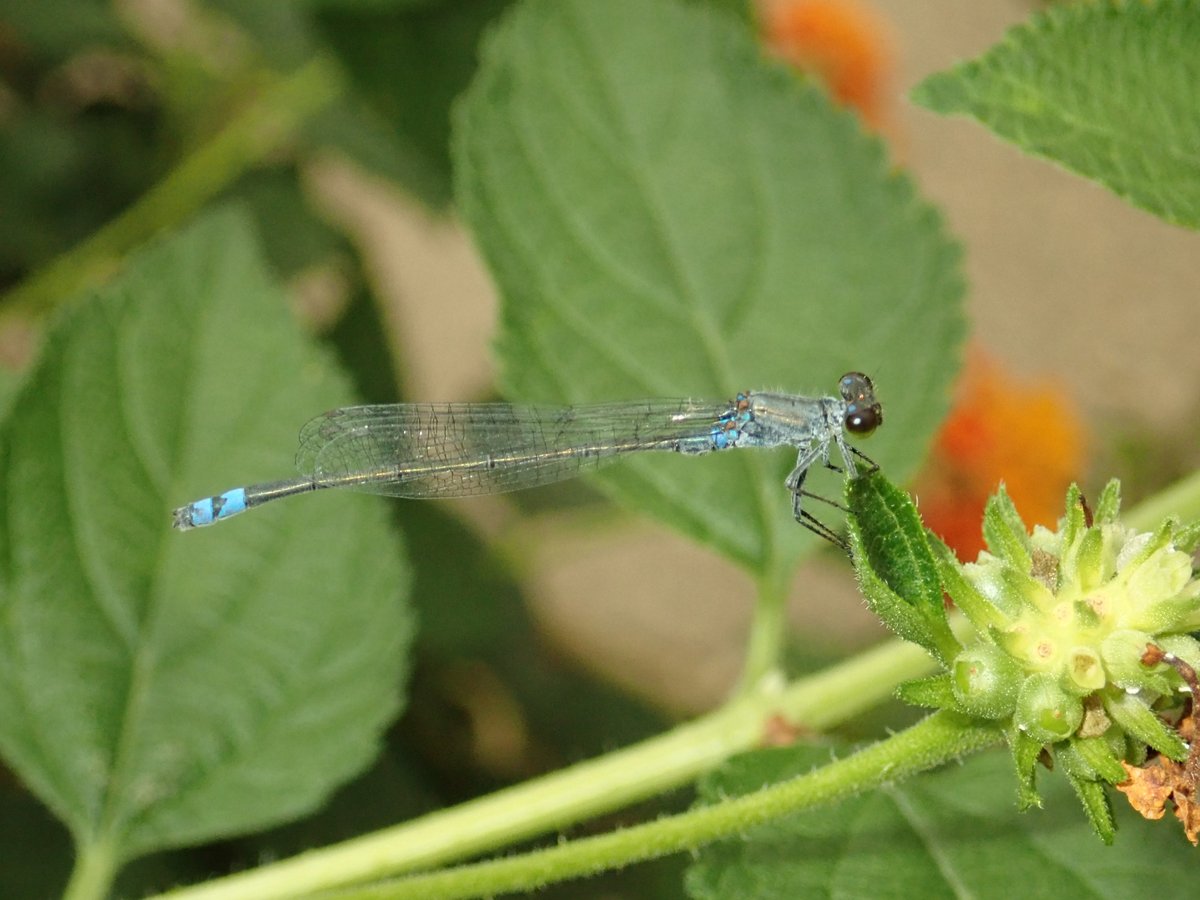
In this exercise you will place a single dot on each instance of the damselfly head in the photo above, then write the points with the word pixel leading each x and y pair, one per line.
pixel 863 412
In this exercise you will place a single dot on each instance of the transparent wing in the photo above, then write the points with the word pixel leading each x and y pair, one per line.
pixel 461 449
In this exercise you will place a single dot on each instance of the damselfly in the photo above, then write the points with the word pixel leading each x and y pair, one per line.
pixel 425 450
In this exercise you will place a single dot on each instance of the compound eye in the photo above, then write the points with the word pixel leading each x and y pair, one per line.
pixel 856 386
pixel 862 420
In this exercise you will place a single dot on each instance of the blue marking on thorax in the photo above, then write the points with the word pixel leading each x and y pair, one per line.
pixel 731 424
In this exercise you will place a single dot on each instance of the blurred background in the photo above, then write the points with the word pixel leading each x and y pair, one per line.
pixel 1080 365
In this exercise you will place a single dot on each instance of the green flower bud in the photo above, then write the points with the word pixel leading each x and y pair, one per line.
pixel 1045 711
pixel 985 681
pixel 1037 648
pixel 1083 671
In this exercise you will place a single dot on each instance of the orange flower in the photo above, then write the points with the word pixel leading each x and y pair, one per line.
pixel 845 43
pixel 1026 435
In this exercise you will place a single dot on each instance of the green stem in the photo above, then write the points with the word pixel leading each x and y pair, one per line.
pixel 937 739
pixel 92 876
pixel 768 630
pixel 584 790
pixel 267 123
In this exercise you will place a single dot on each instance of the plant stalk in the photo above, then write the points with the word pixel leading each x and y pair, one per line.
pixel 584 790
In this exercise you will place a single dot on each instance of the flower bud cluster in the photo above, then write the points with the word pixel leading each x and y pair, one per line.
pixel 1063 619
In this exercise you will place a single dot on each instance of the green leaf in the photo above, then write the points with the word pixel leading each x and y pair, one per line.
pixel 59 28
pixel 373 5
pixel 743 10
pixel 1074 520
pixel 1098 755
pixel 283 31
pixel 1026 756
pixel 666 213
pixel 1187 537
pixel 158 688
pixel 953 833
pixel 10 382
pixel 294 237
pixel 982 612
pixel 1005 532
pixel 1093 797
pixel 1109 504
pixel 933 692
pixel 893 541
pixel 896 568
pixel 898 614
pixel 1105 89
pixel 62 177
pixel 408 63
pixel 1137 719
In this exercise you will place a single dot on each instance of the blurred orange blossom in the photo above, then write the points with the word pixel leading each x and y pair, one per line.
pixel 1025 434
pixel 845 43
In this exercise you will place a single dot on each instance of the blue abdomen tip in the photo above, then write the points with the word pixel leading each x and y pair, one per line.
pixel 200 513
